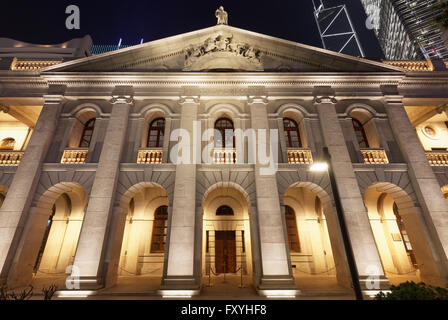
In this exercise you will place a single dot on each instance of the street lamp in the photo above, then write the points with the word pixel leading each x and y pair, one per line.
pixel 327 166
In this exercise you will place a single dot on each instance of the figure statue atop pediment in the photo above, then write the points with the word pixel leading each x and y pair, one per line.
pixel 221 14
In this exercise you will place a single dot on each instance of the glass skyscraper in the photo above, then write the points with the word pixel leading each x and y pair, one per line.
pixel 405 28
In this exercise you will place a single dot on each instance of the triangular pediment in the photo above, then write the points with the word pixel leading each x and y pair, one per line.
pixel 222 48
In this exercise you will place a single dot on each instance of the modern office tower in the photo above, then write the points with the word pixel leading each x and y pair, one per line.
pixel 405 28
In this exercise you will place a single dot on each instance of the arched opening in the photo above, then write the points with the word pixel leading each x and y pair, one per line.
pixel 50 238
pixel 8 144
pixel 445 192
pixel 224 134
pixel 316 251
pixel 292 134
pixel 143 239
pixel 156 133
pixel 227 251
pixel 3 192
pixel 360 133
pixel 2 199
pixel 292 231
pixel 81 134
pixel 400 236
pixel 87 133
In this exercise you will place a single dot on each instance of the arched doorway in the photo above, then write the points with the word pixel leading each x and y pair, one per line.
pixel 227 250
pixel 317 254
pixel 51 237
pixel 142 240
pixel 400 235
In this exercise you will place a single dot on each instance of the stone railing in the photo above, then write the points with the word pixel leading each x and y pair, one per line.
pixel 374 156
pixel 300 156
pixel 10 158
pixel 150 156
pixel 74 155
pixel 437 158
pixel 224 156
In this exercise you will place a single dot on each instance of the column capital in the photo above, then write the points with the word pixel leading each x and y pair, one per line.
pixel 53 98
pixel 189 99
pixel 393 99
pixel 325 99
pixel 122 99
pixel 257 99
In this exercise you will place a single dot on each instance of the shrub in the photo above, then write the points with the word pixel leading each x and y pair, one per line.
pixel 414 291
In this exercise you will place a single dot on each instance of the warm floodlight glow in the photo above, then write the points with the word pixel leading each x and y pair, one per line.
pixel 319 167
pixel 279 294
pixel 177 294
pixel 75 293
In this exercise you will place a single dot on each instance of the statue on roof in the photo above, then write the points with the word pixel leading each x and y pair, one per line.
pixel 221 14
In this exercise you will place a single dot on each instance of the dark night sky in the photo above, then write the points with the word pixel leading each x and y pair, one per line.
pixel 43 21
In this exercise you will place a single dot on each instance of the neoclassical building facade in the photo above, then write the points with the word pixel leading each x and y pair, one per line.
pixel 90 190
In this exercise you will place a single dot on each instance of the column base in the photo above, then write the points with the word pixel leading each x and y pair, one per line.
pixel 179 287
pixel 277 287
pixel 371 287
pixel 89 283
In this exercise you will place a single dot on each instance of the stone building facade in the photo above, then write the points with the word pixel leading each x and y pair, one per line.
pixel 91 191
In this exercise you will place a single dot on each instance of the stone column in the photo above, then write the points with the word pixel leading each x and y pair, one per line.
pixel 360 232
pixel 91 249
pixel 181 272
pixel 14 212
pixel 424 181
pixel 166 141
pixel 276 273
pixel 281 136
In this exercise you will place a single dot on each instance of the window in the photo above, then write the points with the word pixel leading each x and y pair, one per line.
pixel 2 199
pixel 225 138
pixel 360 134
pixel 292 135
pixel 159 229
pixel 224 211
pixel 156 133
pixel 405 237
pixel 291 226
pixel 87 134
pixel 8 144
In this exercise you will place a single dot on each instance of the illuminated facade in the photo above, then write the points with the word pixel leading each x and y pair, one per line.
pixel 405 29
pixel 96 194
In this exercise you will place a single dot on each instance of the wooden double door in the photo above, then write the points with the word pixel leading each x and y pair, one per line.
pixel 225 252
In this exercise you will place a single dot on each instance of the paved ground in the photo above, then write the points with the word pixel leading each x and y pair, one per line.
pixel 230 287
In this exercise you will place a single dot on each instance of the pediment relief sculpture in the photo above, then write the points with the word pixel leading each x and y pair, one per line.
pixel 221 52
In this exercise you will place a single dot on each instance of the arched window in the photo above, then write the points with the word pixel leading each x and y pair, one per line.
pixel 159 229
pixel 224 211
pixel 156 132
pixel 225 138
pixel 291 226
pixel 44 240
pixel 360 134
pixel 405 237
pixel 8 144
pixel 87 134
pixel 292 134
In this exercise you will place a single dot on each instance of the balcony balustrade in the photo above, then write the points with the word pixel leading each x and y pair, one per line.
pixel 224 156
pixel 437 158
pixel 300 156
pixel 150 156
pixel 10 158
pixel 374 156
pixel 74 156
